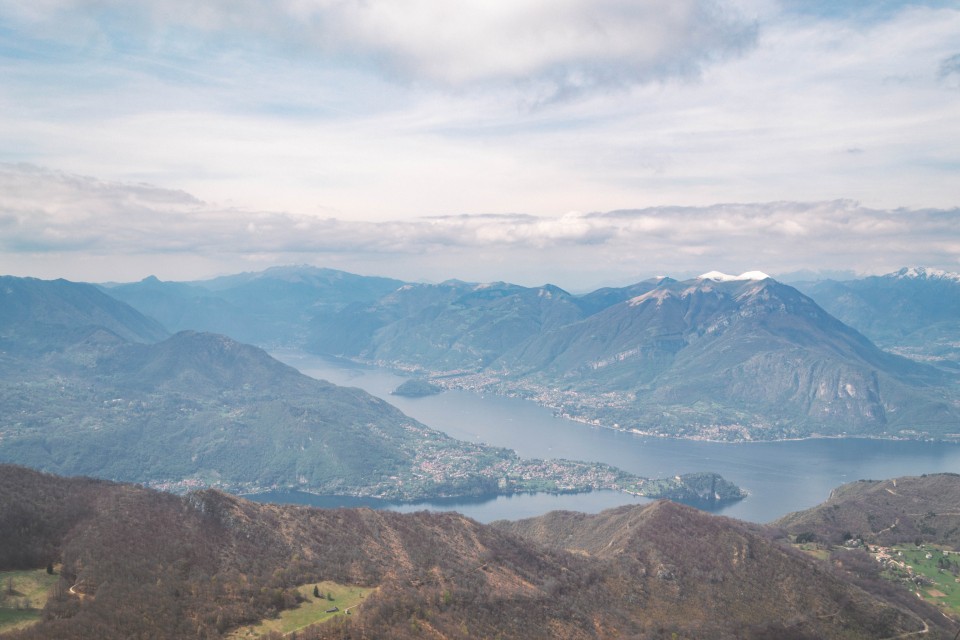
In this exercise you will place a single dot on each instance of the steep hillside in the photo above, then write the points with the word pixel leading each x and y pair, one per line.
pixel 887 512
pixel 203 410
pixel 729 358
pixel 448 327
pixel 914 311
pixel 705 570
pixel 351 331
pixel 136 563
pixel 44 315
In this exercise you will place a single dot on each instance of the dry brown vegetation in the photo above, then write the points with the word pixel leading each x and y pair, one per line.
pixel 719 576
pixel 921 508
pixel 154 565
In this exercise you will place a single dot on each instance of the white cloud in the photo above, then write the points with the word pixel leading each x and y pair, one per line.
pixel 73 222
pixel 367 111
pixel 570 45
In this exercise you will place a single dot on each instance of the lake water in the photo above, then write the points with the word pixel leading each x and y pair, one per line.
pixel 780 476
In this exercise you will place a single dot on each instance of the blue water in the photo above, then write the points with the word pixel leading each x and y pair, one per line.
pixel 781 476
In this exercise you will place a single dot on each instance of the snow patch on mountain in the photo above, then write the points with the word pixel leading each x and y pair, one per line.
pixel 718 276
pixel 923 273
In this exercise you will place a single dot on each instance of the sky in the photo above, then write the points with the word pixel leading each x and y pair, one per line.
pixel 579 142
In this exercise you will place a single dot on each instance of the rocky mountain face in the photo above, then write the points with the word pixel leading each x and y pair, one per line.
pixel 138 563
pixel 914 311
pixel 743 358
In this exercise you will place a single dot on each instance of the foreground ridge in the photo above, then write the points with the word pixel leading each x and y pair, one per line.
pixel 134 561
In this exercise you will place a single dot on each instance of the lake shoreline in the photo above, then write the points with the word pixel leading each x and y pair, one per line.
pixel 352 363
pixel 780 476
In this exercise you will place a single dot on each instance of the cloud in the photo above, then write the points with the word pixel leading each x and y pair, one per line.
pixel 278 105
pixel 44 212
pixel 561 46
pixel 950 70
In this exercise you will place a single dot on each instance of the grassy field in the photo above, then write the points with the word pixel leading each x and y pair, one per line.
pixel 818 551
pixel 944 590
pixel 310 612
pixel 22 607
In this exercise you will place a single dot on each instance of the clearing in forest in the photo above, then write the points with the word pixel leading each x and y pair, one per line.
pixel 23 594
pixel 311 611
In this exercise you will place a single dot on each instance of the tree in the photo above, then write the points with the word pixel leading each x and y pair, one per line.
pixel 316 592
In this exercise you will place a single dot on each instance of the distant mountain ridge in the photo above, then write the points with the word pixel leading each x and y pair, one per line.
pixel 726 357
pixel 201 409
pixel 43 314
pixel 923 273
pixel 914 311
pixel 720 356
pixel 271 307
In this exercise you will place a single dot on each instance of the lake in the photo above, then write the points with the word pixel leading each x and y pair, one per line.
pixel 780 476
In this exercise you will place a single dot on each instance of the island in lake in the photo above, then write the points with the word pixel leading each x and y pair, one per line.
pixel 416 388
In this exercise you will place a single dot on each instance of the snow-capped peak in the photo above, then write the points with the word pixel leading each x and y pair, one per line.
pixel 718 276
pixel 923 273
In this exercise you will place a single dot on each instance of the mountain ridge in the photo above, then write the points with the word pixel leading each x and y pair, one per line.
pixel 201 409
pixel 203 564
pixel 718 357
pixel 914 311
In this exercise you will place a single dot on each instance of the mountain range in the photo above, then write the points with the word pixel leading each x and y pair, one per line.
pixel 744 358
pixel 914 311
pixel 718 357
pixel 269 308
pixel 85 388
pixel 133 562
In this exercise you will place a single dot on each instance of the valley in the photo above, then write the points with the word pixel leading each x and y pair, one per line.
pixel 425 320
pixel 90 386
pixel 779 477
pixel 94 388
pixel 719 357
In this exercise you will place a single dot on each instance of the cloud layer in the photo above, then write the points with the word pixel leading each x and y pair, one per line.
pixel 66 219
pixel 359 130
pixel 571 45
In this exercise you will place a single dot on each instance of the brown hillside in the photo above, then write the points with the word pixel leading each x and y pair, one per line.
pixel 886 511
pixel 152 565
pixel 711 571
